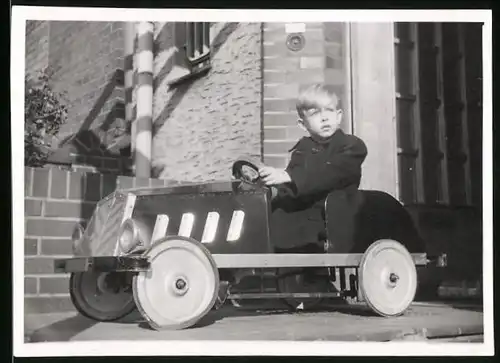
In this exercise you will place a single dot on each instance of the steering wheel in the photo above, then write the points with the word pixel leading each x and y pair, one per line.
pixel 247 170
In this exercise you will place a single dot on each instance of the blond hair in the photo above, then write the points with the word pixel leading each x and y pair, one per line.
pixel 315 96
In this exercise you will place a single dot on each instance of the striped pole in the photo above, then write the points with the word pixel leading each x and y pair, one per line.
pixel 129 79
pixel 144 118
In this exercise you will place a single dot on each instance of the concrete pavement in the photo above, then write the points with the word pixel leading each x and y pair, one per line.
pixel 439 321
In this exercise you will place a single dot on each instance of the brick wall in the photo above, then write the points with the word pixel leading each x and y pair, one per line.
pixel 86 59
pixel 37 46
pixel 203 124
pixel 55 200
pixel 286 72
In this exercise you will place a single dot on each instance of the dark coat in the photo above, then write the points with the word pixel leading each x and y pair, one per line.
pixel 316 170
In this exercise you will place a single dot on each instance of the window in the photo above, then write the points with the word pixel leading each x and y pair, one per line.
pixel 438 111
pixel 197 43
pixel 193 51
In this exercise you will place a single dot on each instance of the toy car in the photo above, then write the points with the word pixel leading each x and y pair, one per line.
pixel 174 253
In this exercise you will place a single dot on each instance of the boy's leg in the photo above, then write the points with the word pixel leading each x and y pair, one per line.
pixel 296 230
pixel 341 212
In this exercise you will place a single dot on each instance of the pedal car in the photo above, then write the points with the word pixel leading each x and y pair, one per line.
pixel 174 253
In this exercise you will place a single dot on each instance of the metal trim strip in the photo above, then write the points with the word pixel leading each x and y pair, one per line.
pixel 268 260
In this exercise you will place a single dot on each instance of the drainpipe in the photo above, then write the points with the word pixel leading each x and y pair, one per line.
pixel 128 70
pixel 144 118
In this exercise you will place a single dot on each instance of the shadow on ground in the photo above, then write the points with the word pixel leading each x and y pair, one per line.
pixel 62 330
pixel 355 310
pixel 255 309
pixel 68 328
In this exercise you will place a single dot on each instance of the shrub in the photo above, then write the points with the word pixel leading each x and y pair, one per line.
pixel 44 113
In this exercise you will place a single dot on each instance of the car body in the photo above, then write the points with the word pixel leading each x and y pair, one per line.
pixel 190 210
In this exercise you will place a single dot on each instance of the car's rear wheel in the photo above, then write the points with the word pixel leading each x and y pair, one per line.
pixel 181 286
pixel 102 296
pixel 387 278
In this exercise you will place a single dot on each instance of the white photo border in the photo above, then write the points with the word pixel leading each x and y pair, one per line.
pixel 260 348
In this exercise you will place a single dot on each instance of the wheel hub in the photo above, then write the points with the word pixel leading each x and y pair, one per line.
pixel 105 284
pixel 180 286
pixel 388 278
pixel 393 278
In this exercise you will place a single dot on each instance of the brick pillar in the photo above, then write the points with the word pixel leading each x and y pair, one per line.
pixel 286 72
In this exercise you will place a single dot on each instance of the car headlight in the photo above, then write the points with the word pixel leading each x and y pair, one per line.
pixel 128 236
pixel 77 237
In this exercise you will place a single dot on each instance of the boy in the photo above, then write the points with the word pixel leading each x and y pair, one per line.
pixel 327 162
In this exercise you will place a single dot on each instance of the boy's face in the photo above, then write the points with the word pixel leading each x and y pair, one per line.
pixel 322 120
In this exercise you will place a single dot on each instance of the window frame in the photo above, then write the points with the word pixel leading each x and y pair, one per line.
pixel 193 62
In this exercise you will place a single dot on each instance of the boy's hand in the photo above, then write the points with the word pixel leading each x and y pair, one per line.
pixel 272 176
